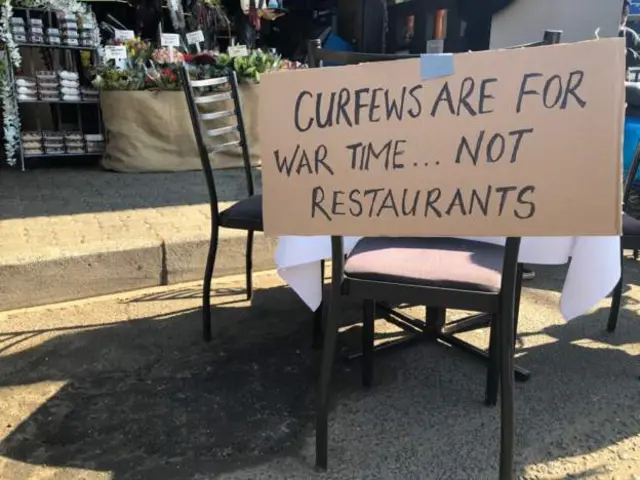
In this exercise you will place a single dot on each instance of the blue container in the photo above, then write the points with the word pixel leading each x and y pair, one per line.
pixel 631 139
pixel 336 44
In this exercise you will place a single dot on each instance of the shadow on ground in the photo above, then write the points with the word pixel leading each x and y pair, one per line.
pixel 146 399
pixel 52 192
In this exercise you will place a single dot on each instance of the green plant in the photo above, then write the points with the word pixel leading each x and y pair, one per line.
pixel 157 73
pixel 107 77
pixel 251 67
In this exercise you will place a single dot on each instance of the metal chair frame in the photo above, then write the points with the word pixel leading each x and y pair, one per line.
pixel 627 241
pixel 502 308
pixel 229 91
pixel 500 305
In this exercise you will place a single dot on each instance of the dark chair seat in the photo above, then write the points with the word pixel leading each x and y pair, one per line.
pixel 438 262
pixel 244 215
pixel 630 225
pixel 632 94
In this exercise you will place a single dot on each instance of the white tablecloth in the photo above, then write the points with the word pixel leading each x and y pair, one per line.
pixel 593 273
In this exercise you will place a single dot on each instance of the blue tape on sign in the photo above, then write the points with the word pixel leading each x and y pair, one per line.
pixel 436 65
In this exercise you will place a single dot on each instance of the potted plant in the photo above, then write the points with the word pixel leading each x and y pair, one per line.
pixel 145 113
pixel 248 70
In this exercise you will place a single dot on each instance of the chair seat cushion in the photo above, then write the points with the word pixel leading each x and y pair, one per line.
pixel 244 215
pixel 435 262
pixel 630 225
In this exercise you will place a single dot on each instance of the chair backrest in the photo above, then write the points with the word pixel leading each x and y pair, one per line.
pixel 215 91
pixel 550 37
pixel 318 55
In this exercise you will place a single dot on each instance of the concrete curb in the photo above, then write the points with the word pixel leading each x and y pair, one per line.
pixel 30 282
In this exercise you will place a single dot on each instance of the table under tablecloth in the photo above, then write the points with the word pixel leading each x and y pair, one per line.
pixel 593 272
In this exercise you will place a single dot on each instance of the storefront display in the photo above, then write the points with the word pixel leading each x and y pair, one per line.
pixel 145 114
pixel 62 87
pixel 46 34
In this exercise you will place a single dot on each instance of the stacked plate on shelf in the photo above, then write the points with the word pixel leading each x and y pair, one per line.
pixel 89 94
pixel 53 36
pixel 88 33
pixel 69 28
pixel 69 86
pixel 32 33
pixel 53 143
pixel 74 142
pixel 94 142
pixel 18 30
pixel 26 89
pixel 36 32
pixel 36 143
pixel 32 143
pixel 47 86
pixel 52 86
pixel 68 33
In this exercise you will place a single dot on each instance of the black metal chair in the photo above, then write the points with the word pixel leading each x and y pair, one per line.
pixel 243 215
pixel 399 270
pixel 317 56
pixel 442 273
pixel 630 240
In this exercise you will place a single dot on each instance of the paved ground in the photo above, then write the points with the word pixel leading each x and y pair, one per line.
pixel 122 388
pixel 67 234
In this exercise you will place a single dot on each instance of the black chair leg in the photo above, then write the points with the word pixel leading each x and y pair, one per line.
pixel 616 297
pixel 368 339
pixel 326 368
pixel 319 315
pixel 249 264
pixel 516 306
pixel 206 288
pixel 507 381
pixel 434 321
pixel 635 254
pixel 493 367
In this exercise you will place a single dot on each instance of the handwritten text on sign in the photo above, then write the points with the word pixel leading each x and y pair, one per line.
pixel 499 147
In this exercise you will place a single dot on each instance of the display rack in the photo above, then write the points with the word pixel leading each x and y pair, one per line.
pixel 81 115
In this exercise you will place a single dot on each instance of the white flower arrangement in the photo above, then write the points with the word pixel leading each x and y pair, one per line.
pixel 14 61
pixel 5 33
pixel 11 122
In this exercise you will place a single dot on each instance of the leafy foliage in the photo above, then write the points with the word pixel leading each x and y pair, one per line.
pixel 151 69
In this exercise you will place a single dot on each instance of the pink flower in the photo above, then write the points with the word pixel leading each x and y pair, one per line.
pixel 162 57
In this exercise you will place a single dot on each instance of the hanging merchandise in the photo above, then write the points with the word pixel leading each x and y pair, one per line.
pixel 258 10
pixel 177 14
pixel 209 17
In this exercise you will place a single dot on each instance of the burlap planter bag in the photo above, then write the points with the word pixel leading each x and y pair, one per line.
pixel 150 131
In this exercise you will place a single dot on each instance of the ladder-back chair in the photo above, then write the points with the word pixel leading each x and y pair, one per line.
pixel 245 214
pixel 401 270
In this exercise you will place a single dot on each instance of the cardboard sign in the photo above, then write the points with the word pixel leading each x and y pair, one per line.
pixel 170 40
pixel 115 52
pixel 195 37
pixel 124 35
pixel 523 142
pixel 237 51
